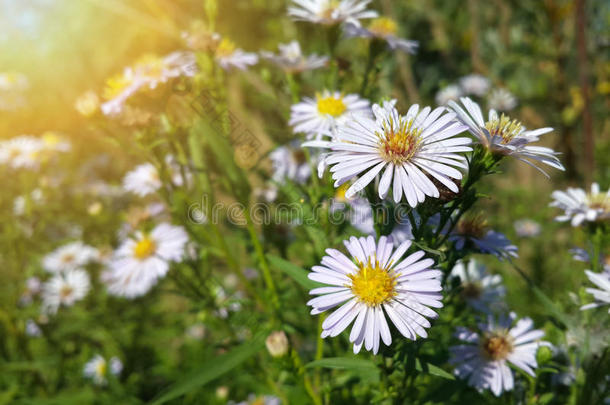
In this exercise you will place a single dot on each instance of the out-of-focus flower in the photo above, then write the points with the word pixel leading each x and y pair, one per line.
pixel 200 38
pixel 289 163
pixel 483 360
pixel 229 56
pixel 580 206
pixel 474 84
pixel 291 59
pixel 24 151
pixel 581 255
pixel 12 90
pixel 409 147
pixel 474 230
pixel 330 12
pixel 222 392
pixel 33 287
pixel 277 344
pixel 52 141
pixel 68 257
pixel 259 400
pixel 141 261
pixel 97 369
pixel 32 329
pixel 501 100
pixel 320 116
pixel 504 136
pixel 95 208
pixel 87 103
pixel 481 290
pixel 196 331
pixel 448 93
pixel 383 28
pixel 143 180
pixel 375 282
pixel 601 295
pixel 527 228
pixel 267 194
pixel 64 289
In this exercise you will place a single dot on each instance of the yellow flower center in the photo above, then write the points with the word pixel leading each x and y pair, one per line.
pixel 115 85
pixel 68 258
pixel 51 139
pixel 65 291
pixel 497 345
pixel 225 48
pixel 372 284
pixel 383 27
pixel 151 66
pixel 331 106
pixel 144 248
pixel 474 227
pixel 327 11
pixel 340 192
pixel 399 141
pixel 100 370
pixel 599 201
pixel 504 127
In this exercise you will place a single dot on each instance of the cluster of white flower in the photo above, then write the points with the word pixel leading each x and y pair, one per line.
pixel 28 152
pixel 477 85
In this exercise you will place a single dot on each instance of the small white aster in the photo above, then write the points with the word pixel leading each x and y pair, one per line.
pixel 383 28
pixel 292 60
pixel 68 257
pixel 484 359
pixel 411 148
pixel 474 232
pixel 475 84
pixel 501 100
pixel 139 263
pixel 23 151
pixel 64 289
pixel 330 12
pixel 448 93
pixel 375 282
pixel 322 115
pixel 481 290
pixel 143 180
pixel 289 163
pixel 229 56
pixel 504 136
pixel 97 369
pixel 601 294
pixel 527 228
pixel 580 206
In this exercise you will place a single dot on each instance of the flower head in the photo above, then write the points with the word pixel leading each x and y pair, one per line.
pixel 23 151
pixel 383 28
pixel 87 104
pixel 290 163
pixel 143 180
pixel 601 294
pixel 475 84
pixel 292 60
pixel 527 228
pixel 473 232
pixel 68 257
pixel 501 100
pixel 97 368
pixel 448 93
pixel 481 290
pixel 331 12
pixel 376 282
pixel 580 206
pixel 229 56
pixel 277 344
pixel 64 289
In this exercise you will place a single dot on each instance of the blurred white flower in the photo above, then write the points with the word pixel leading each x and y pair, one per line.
pixel 375 282
pixel 139 263
pixel 410 149
pixel 64 289
pixel 580 206
pixel 52 141
pixel 501 100
pixel 13 86
pixel 289 163
pixel 32 329
pixel 292 60
pixel 68 257
pixel 448 93
pixel 143 180
pixel 196 331
pixel 258 400
pixel 474 230
pixel 481 290
pixel 229 56
pixel 322 115
pixel 33 287
pixel 383 28
pixel 277 344
pixel 475 84
pixel 97 369
pixel 24 151
pixel 601 295
pixel 527 228
pixel 504 136
pixel 330 12
pixel 87 103
pixel 484 359
pixel 267 194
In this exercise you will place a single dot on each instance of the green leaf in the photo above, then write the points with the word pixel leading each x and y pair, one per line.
pixel 212 369
pixel 432 369
pixel 295 272
pixel 343 363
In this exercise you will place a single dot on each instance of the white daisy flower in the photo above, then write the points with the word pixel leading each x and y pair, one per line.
pixel 97 368
pixel 229 56
pixel 292 60
pixel 141 261
pixel 473 232
pixel 68 257
pixel 64 289
pixel 448 93
pixel 475 84
pixel 383 28
pixel 580 206
pixel 501 100
pixel 412 148
pixel 504 136
pixel 289 163
pixel 23 151
pixel 484 359
pixel 527 228
pixel 322 115
pixel 376 282
pixel 143 180
pixel 330 12
pixel 601 294
pixel 481 290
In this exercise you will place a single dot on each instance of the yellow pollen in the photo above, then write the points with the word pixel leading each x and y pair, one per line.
pixel 473 226
pixel 115 85
pixel 327 12
pixel 144 248
pixel 51 138
pixel 331 106
pixel 372 284
pixel 504 127
pixel 497 345
pixel 399 141
pixel 101 368
pixel 340 193
pixel 226 47
pixel 383 27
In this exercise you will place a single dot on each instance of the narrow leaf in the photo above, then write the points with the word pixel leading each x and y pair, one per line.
pixel 348 363
pixel 295 272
